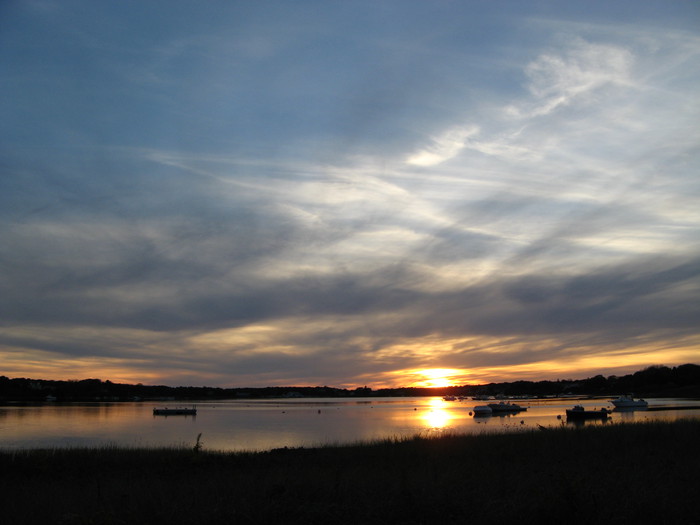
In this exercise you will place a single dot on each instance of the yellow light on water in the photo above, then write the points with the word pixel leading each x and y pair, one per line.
pixel 437 415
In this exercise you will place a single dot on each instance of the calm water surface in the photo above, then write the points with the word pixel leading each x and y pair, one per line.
pixel 267 424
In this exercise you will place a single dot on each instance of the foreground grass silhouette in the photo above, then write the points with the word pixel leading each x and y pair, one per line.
pixel 623 473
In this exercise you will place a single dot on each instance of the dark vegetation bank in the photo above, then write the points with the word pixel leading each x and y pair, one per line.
pixel 655 381
pixel 623 473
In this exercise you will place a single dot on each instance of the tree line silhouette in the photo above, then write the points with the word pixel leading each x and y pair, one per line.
pixel 659 381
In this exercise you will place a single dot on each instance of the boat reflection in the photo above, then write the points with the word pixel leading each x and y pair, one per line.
pixel 628 410
pixel 580 423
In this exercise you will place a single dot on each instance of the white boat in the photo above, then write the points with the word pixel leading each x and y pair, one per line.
pixel 629 402
pixel 506 407
pixel 482 410
pixel 449 398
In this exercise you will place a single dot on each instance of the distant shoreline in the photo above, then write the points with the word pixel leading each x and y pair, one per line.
pixel 632 473
pixel 187 401
pixel 656 381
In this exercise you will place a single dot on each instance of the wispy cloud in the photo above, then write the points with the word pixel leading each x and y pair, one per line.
pixel 557 79
pixel 443 147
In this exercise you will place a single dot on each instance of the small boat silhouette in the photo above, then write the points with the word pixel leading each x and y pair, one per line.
pixel 578 412
pixel 180 411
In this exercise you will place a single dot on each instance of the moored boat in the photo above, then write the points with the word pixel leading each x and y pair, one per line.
pixel 629 402
pixel 506 407
pixel 578 412
pixel 180 411
pixel 482 410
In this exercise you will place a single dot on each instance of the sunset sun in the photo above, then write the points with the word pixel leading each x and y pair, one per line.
pixel 437 377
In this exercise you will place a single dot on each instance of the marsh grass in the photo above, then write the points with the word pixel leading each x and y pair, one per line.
pixel 631 473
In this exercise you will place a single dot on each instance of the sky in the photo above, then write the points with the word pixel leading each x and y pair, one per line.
pixel 348 193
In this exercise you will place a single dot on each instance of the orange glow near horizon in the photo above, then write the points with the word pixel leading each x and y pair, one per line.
pixel 153 364
pixel 435 377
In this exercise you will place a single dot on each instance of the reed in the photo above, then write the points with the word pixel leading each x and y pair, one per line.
pixel 623 473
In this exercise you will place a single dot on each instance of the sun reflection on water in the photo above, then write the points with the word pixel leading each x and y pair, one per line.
pixel 437 416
